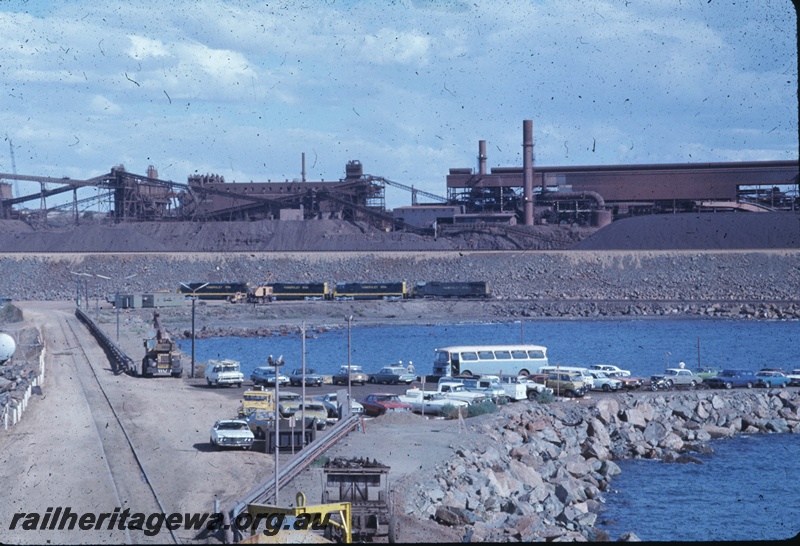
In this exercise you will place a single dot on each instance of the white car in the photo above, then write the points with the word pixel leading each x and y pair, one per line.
pixel 224 372
pixel 608 368
pixel 232 433
pixel 604 382
pixel 794 377
pixel 331 403
pixel 429 402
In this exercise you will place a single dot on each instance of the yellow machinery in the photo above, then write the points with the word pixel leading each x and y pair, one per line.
pixel 256 399
pixel 299 524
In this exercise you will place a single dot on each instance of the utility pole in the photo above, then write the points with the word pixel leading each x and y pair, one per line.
pixel 349 382
pixel 194 298
pixel 277 363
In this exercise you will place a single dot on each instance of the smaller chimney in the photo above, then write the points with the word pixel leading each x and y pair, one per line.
pixel 481 157
pixel 527 170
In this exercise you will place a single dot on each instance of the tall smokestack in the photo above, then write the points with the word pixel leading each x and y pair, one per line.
pixel 527 170
pixel 303 173
pixel 481 157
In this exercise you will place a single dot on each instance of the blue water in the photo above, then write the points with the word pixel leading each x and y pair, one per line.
pixel 643 346
pixel 748 490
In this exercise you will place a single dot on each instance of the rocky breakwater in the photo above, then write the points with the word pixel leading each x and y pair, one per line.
pixel 539 470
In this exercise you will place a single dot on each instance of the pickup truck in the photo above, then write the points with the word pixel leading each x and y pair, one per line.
pixel 430 402
pixel 224 372
pixel 455 390
pixel 522 388
pixel 488 385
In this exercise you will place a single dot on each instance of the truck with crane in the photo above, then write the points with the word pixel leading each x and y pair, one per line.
pixel 162 356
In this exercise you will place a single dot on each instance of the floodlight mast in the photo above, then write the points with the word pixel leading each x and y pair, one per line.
pixel 193 298
pixel 116 295
pixel 85 288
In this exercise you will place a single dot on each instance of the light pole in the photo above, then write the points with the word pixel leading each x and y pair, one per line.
pixel 277 363
pixel 194 298
pixel 303 389
pixel 116 294
pixel 85 288
pixel 349 383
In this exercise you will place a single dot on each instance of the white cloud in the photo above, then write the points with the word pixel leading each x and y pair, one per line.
pixel 389 46
pixel 242 88
pixel 142 48
pixel 101 105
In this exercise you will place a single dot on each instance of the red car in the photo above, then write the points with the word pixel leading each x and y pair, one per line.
pixel 380 403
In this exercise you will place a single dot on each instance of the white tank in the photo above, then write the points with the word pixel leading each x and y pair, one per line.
pixel 7 347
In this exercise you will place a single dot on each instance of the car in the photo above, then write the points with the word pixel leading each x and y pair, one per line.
pixel 568 384
pixel 376 404
pixel 311 376
pixel 314 410
pixel 522 387
pixel 629 381
pixel 260 422
pixel 330 401
pixel 392 375
pixel 288 402
pixel 357 376
pixel 430 402
pixel 677 377
pixel 603 382
pixel 706 373
pixel 727 379
pixel 768 378
pixel 223 372
pixel 794 377
pixel 488 385
pixel 265 375
pixel 609 369
pixel 232 433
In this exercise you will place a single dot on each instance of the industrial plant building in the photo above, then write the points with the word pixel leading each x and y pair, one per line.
pixel 530 194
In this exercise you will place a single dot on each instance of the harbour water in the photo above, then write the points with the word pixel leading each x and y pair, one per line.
pixel 747 490
pixel 644 347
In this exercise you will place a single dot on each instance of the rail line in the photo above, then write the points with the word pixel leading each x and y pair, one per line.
pixel 102 410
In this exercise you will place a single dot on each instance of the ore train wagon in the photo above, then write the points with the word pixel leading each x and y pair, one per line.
pixel 214 290
pixel 437 289
pixel 299 291
pixel 370 291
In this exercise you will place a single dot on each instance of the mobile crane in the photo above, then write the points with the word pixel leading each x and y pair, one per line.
pixel 162 356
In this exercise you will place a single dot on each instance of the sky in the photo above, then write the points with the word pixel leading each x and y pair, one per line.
pixel 409 87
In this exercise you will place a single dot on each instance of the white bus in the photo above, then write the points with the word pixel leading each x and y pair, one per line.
pixel 489 360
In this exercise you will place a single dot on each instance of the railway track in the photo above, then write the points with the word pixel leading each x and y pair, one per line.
pixel 128 477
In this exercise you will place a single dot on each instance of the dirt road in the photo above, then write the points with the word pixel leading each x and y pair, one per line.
pixel 70 450
pixel 102 443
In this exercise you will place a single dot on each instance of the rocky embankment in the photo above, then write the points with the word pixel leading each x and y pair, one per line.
pixel 540 470
pixel 741 284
